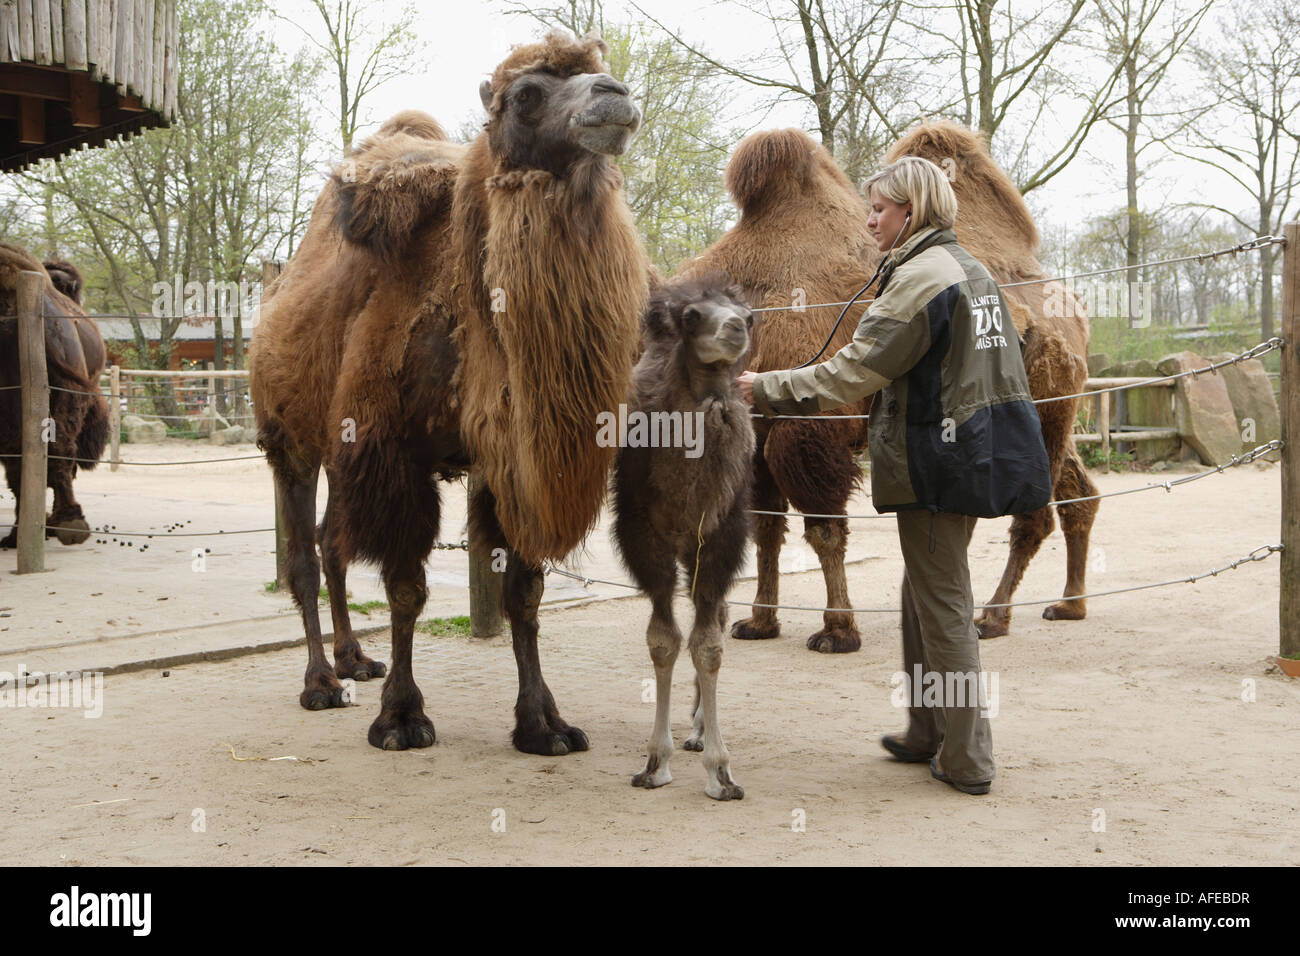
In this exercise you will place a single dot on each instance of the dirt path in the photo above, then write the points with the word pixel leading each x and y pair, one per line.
pixel 1136 713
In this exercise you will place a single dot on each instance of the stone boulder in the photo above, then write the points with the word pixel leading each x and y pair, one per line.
pixel 1253 402
pixel 1203 410
pixel 1096 362
pixel 143 431
pixel 233 435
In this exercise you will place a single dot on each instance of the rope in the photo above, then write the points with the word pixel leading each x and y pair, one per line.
pixel 1253 352
pixel 156 464
pixel 1259 554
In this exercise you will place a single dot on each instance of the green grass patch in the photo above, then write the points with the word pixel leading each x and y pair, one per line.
pixel 365 607
pixel 446 626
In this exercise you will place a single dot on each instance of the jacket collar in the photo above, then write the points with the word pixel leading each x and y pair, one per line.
pixel 922 240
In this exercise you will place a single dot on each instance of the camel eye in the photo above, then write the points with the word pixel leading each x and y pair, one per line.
pixel 749 319
pixel 691 318
pixel 528 96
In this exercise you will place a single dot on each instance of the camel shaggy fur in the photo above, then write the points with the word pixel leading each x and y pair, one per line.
pixel 75 356
pixel 454 309
pixel 802 238
pixel 689 508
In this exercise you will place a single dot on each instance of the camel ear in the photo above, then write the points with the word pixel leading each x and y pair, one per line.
pixel 485 94
pixel 659 322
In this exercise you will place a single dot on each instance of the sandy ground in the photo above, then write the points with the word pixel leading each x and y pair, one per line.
pixel 1158 718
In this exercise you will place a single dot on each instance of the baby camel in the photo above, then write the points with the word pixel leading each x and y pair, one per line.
pixel 682 482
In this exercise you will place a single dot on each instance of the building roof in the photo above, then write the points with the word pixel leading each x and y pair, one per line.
pixel 195 328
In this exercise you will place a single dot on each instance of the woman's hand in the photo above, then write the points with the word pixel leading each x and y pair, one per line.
pixel 746 382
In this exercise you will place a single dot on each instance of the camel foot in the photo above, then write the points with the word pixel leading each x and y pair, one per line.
pixel 359 667
pixel 401 731
pixel 693 743
pixel 654 775
pixel 747 630
pixel 989 626
pixel 71 530
pixel 550 742
pixel 1066 611
pixel 835 640
pixel 323 692
pixel 722 787
pixel 11 539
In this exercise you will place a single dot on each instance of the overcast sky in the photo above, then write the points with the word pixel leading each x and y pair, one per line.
pixel 465 39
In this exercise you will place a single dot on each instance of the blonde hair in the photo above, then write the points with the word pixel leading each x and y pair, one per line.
pixel 923 184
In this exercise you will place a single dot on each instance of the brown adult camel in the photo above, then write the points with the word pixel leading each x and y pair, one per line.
pixel 456 309
pixel 75 356
pixel 802 239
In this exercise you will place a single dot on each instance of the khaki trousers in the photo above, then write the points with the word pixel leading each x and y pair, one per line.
pixel 940 642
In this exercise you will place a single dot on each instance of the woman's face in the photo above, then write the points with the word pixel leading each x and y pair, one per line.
pixel 889 221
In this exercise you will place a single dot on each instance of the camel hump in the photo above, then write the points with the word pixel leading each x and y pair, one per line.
pixel 66 278
pixel 769 166
pixel 983 189
pixel 396 183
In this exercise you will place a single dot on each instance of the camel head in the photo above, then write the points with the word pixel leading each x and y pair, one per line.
pixel 553 104
pixel 707 314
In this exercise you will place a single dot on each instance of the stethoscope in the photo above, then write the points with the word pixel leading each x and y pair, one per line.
pixel 845 311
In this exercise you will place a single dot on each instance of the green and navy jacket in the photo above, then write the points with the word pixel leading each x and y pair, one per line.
pixel 953 427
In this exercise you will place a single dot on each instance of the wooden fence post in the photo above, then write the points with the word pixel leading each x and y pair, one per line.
pixel 34 377
pixel 115 417
pixel 1289 601
pixel 484 581
pixel 1103 427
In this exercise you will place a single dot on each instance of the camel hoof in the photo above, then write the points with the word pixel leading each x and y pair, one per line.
pixel 693 743
pixel 323 696
pixel 11 539
pixel 992 627
pixel 72 530
pixel 1065 611
pixel 746 630
pixel 401 731
pixel 361 668
pixel 550 743
pixel 835 641
pixel 654 775
pixel 724 788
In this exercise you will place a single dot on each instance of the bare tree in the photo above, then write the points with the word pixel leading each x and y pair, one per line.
pixel 1252 72
pixel 364 51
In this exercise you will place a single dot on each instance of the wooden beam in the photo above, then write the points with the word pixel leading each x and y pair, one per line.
pixel 36 410
pixel 131 103
pixel 84 101
pixel 26 33
pixel 31 124
pixel 1289 601
pixel 46 83
pixel 41 47
pixel 74 35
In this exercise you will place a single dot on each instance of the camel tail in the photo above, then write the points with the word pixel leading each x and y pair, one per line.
pixel 93 436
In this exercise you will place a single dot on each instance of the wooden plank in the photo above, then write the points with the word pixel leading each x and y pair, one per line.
pixel 1289 598
pixel 25 29
pixel 9 31
pixel 36 410
pixel 94 42
pixel 42 50
pixel 83 100
pixel 74 34
pixel 115 417
pixel 173 57
pixel 157 69
pixel 1103 426
pixel 1149 434
pixel 123 38
pixel 56 31
pixel 142 45
pixel 107 43
pixel 31 122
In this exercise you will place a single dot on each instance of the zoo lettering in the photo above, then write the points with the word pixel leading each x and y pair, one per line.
pixel 666 430
pixel 988 319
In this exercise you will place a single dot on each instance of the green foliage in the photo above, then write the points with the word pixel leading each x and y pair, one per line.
pixel 1093 458
pixel 446 626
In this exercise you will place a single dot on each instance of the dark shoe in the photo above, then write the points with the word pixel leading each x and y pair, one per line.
pixel 972 788
pixel 902 752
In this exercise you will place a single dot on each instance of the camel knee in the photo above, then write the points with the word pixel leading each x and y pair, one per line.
pixel 406 598
pixel 664 642
pixel 825 537
pixel 706 654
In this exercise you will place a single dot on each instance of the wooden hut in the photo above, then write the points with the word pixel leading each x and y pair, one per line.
pixel 77 73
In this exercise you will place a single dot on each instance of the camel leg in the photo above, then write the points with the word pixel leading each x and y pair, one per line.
pixel 66 515
pixel 1076 525
pixel 706 654
pixel 539 728
pixel 349 661
pixel 664 640
pixel 402 723
pixel 14 477
pixel 1027 535
pixel 829 538
pixel 297 483
pixel 769 535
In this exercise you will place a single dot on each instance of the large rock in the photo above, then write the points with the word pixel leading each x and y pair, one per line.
pixel 142 431
pixel 230 436
pixel 1203 409
pixel 1253 402
pixel 1096 362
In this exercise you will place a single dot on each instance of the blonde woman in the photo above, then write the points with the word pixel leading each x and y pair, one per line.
pixel 953 437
